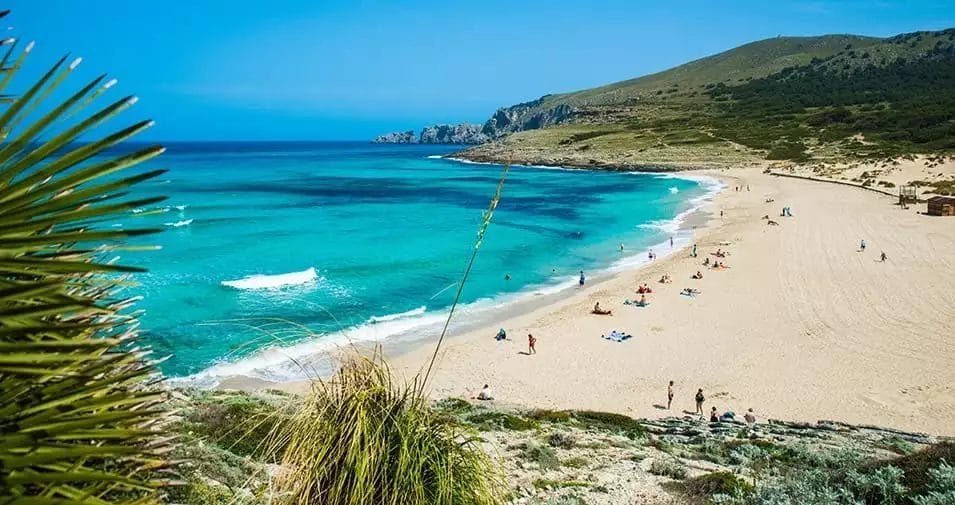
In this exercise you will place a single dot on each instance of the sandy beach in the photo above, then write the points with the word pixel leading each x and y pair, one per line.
pixel 802 326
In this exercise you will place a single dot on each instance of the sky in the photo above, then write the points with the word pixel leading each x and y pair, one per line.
pixel 318 70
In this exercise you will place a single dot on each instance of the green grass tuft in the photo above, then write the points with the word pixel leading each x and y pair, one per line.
pixel 360 438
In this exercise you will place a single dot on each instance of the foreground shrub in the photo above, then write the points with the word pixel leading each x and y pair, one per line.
pixel 360 438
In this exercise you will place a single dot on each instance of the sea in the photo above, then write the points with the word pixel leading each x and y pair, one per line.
pixel 273 255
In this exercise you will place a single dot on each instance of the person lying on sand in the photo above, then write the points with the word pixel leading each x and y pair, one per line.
pixel 690 291
pixel 644 289
pixel 698 275
pixel 771 222
pixel 665 279
pixel 765 217
pixel 602 312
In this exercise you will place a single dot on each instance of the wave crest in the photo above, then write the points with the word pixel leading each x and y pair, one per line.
pixel 260 281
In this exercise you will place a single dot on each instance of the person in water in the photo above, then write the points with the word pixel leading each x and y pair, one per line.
pixel 582 279
pixel 669 395
pixel 507 277
pixel 531 343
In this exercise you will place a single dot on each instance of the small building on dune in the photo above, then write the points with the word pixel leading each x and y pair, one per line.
pixel 941 206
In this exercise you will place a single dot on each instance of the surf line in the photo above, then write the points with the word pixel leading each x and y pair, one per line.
pixel 455 283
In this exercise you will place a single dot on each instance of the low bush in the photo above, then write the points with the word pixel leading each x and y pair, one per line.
pixel 610 421
pixel 668 468
pixel 544 456
pixel 562 440
pixel 714 483
pixel 490 420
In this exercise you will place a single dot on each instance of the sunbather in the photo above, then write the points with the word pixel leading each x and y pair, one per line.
pixel 690 291
pixel 599 311
pixel 698 275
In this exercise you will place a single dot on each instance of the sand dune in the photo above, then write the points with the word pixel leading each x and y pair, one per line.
pixel 802 326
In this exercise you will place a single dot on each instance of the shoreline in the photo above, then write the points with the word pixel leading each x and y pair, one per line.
pixel 801 327
pixel 484 311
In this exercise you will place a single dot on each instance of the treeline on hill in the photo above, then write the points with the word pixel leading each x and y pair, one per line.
pixel 905 106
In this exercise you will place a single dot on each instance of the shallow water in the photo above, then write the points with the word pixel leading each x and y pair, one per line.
pixel 368 238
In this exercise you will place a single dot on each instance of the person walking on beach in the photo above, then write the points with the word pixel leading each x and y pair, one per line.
pixel 531 342
pixel 699 401
pixel 883 256
pixel 671 242
pixel 694 250
pixel 862 246
pixel 669 394
pixel 582 279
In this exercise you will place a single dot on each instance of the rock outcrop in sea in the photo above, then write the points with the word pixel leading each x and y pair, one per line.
pixel 407 137
pixel 464 133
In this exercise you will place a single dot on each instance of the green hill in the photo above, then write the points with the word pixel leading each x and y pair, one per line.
pixel 797 98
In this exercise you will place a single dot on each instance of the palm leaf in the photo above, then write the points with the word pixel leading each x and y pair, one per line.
pixel 80 413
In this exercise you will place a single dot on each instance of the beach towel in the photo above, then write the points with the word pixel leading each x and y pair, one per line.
pixel 617 336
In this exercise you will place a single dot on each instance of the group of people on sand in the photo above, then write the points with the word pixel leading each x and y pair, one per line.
pixel 715 417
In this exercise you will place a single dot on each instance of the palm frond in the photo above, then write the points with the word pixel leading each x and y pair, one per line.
pixel 80 416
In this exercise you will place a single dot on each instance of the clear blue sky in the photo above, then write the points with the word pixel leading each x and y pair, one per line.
pixel 310 69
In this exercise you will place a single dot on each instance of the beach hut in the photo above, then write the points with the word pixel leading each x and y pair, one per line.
pixel 941 206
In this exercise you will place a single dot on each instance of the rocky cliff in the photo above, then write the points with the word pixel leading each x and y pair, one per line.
pixel 526 116
pixel 407 137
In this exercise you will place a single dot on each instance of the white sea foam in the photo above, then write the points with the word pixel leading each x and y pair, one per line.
pixel 310 356
pixel 674 190
pixel 181 208
pixel 178 224
pixel 400 315
pixel 435 157
pixel 259 281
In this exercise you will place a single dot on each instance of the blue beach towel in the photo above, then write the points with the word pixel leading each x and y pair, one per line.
pixel 617 336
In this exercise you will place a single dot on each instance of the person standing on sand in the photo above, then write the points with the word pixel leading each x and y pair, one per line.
pixel 531 342
pixel 671 242
pixel 721 212
pixel 862 246
pixel 883 256
pixel 694 250
pixel 582 279
pixel 669 394
pixel 699 401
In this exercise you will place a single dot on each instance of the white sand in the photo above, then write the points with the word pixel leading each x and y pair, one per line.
pixel 802 326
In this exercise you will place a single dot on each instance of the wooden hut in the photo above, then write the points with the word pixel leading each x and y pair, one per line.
pixel 941 206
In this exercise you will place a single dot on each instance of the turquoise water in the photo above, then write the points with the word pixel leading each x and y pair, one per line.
pixel 372 239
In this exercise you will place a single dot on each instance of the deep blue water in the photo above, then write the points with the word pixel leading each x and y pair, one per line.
pixel 387 230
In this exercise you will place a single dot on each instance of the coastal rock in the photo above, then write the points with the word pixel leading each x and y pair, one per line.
pixel 464 133
pixel 526 116
pixel 407 137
